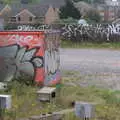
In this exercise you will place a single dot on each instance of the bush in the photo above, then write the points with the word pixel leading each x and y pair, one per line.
pixel 69 10
pixel 25 79
pixel 69 20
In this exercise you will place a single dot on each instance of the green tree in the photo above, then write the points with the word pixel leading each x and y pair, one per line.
pixel 69 10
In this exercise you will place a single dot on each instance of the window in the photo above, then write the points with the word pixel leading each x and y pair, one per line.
pixel 30 18
pixel 19 19
pixel 13 19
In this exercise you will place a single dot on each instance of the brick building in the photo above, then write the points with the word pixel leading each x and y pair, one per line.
pixel 44 13
pixel 109 11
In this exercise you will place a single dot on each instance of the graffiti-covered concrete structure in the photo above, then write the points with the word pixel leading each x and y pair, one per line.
pixel 33 53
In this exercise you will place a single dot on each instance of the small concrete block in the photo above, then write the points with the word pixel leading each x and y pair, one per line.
pixel 46 94
pixel 5 101
pixel 46 90
pixel 85 110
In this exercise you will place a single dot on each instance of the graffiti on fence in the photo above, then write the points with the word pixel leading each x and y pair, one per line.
pixel 89 33
pixel 95 33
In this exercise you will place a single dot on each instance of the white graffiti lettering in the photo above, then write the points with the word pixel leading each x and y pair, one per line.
pixel 51 62
pixel 20 38
pixel 29 28
pixel 96 32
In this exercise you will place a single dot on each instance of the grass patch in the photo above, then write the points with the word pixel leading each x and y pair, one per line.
pixel 108 101
pixel 25 103
pixel 69 44
pixel 108 107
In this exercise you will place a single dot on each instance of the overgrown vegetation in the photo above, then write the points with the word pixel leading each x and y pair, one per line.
pixel 26 104
pixel 70 44
pixel 69 20
pixel 69 10
pixel 108 101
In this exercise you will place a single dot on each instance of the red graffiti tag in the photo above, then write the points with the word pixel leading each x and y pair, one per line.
pixel 30 40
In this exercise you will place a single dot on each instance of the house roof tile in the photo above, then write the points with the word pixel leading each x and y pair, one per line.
pixel 37 10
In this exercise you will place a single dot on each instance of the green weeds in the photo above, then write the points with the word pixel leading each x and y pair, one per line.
pixel 69 44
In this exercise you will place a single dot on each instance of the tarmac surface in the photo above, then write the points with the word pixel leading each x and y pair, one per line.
pixel 99 67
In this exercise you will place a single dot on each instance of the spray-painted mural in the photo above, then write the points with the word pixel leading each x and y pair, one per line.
pixel 25 52
pixel 82 33
pixel 52 59
pixel 92 33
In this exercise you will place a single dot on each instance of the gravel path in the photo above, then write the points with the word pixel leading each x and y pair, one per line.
pixel 96 66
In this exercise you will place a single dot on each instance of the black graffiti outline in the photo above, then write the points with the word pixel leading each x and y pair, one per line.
pixel 31 59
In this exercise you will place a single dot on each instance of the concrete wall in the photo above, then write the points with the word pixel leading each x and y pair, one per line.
pixel 31 54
